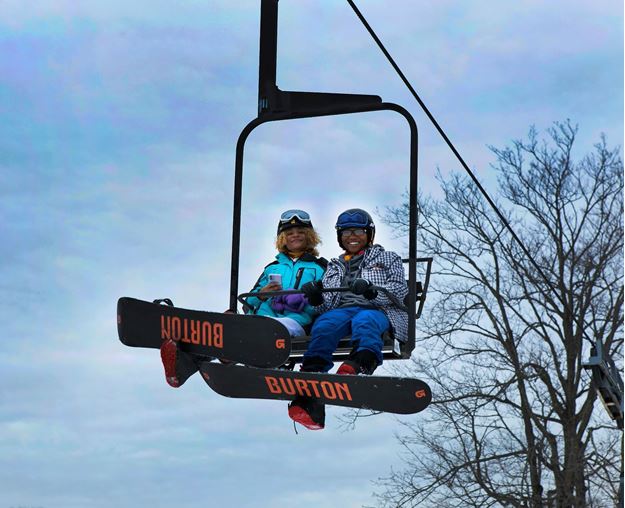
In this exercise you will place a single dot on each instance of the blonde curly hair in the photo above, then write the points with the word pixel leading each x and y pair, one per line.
pixel 312 240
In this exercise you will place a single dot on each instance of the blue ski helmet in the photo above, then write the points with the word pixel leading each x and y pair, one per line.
pixel 355 218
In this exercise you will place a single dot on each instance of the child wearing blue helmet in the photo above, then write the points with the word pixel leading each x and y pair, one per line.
pixel 363 312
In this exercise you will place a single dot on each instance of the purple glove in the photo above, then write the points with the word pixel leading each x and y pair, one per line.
pixel 289 303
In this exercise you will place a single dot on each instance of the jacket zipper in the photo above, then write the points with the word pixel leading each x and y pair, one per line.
pixel 298 277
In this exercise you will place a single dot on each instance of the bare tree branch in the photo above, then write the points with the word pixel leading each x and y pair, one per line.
pixel 515 420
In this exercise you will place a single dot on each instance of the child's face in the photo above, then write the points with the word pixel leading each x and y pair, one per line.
pixel 353 240
pixel 295 239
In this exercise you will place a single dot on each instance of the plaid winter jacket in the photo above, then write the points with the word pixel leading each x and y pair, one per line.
pixel 382 268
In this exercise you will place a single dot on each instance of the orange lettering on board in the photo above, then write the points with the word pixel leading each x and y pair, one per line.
pixel 195 332
pixel 165 327
pixel 272 384
pixel 342 390
pixel 218 335
pixel 175 328
pixel 313 383
pixel 328 390
pixel 287 386
pixel 185 333
pixel 207 334
pixel 301 387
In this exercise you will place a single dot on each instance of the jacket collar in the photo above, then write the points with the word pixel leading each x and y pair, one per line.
pixel 307 256
pixel 370 252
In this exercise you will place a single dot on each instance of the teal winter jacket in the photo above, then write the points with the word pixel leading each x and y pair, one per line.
pixel 294 275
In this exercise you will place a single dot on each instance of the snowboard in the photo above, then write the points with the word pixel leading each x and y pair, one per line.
pixel 252 340
pixel 378 393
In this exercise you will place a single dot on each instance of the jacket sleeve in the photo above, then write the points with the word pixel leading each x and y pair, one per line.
pixel 309 312
pixel 319 273
pixel 394 283
pixel 331 279
pixel 253 302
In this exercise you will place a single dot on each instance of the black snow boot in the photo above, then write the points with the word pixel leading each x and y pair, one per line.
pixel 314 364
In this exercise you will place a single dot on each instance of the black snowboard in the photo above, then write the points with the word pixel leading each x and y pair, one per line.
pixel 252 340
pixel 389 394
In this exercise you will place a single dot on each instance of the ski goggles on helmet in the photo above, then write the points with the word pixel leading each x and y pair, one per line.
pixel 354 218
pixel 290 214
pixel 293 219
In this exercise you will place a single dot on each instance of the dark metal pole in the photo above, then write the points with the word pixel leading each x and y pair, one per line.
pixel 268 48
pixel 413 232
pixel 267 54
pixel 236 217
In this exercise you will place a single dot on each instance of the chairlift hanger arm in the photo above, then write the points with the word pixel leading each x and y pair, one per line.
pixel 271 99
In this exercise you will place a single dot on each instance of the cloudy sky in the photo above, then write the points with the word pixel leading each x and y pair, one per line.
pixel 119 123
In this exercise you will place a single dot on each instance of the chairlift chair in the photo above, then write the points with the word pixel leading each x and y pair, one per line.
pixel 276 105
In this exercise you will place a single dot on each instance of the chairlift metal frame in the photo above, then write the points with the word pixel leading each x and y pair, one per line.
pixel 276 105
pixel 607 381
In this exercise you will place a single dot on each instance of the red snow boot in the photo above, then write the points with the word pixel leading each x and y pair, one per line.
pixel 179 366
pixel 308 412
pixel 347 368
pixel 362 362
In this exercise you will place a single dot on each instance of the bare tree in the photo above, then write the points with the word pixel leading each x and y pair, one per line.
pixel 515 421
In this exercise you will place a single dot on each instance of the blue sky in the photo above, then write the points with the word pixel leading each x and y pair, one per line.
pixel 119 123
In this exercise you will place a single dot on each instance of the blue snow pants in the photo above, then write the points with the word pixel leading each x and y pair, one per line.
pixel 366 327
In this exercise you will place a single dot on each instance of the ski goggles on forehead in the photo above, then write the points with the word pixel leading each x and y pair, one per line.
pixel 355 219
pixel 289 215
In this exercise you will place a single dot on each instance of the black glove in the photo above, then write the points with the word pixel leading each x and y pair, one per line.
pixel 312 290
pixel 363 287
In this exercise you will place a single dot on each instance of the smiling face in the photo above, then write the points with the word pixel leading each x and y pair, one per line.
pixel 295 239
pixel 353 240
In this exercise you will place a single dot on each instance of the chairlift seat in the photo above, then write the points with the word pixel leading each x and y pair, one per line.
pixel 390 350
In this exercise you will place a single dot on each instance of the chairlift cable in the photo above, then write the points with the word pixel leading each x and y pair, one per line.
pixel 612 393
pixel 450 144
